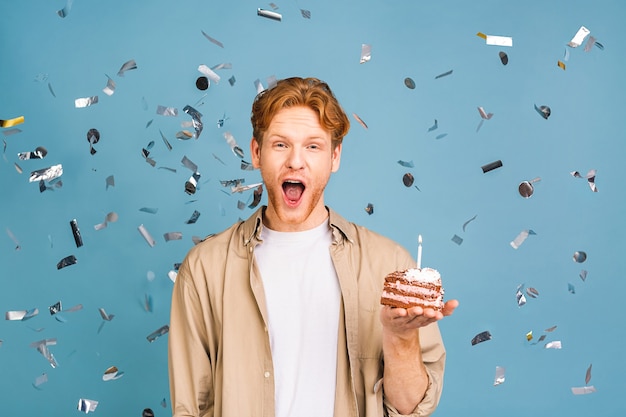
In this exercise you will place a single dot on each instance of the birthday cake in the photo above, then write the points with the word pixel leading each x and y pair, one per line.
pixel 413 287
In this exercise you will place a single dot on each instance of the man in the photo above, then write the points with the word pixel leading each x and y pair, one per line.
pixel 280 314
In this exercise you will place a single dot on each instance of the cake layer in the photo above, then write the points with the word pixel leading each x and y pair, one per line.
pixel 413 287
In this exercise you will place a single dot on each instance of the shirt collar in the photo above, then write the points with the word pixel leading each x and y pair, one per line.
pixel 251 228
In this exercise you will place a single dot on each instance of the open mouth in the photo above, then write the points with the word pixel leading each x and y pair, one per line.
pixel 293 191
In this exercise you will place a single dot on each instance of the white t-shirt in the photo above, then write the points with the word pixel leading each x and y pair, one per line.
pixel 303 300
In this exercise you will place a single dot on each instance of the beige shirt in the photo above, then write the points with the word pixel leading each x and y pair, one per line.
pixel 220 360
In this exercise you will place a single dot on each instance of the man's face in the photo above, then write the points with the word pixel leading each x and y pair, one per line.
pixel 296 160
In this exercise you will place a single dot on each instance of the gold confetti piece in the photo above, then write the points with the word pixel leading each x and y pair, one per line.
pixel 12 122
pixel 366 53
pixel 529 336
pixel 481 35
pixel 580 36
pixel 561 65
pixel 499 378
pixel 358 119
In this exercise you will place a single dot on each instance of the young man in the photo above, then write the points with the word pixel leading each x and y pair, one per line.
pixel 280 314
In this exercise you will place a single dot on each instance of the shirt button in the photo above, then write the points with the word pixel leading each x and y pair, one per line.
pixel 267 374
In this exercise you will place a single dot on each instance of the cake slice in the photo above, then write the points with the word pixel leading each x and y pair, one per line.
pixel 413 287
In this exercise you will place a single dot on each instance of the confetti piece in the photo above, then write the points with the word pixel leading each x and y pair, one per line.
pixel 544 111
pixel 196 119
pixel 212 40
pixel 305 13
pixel 445 74
pixel 519 296
pixel 366 53
pixel 588 375
pixel 532 292
pixel 209 73
pixel 87 405
pixel 194 217
pixel 39 153
pixel 21 315
pixel 242 188
pixel 580 256
pixel 111 217
pixel 409 83
pixel 521 237
pixel 591 179
pixel 85 102
pixel 580 36
pixel 147 412
pixel 408 179
pixel 529 336
pixel 369 209
pixel 526 188
pixel 51 90
pixel 192 183
pixel 358 119
pixel 104 315
pixel 167 111
pixel 76 233
pixel 109 89
pixel 187 163
pixel 483 114
pixel 496 40
pixel 111 374
pixel 481 337
pixel 10 132
pixel 583 390
pixel 67 261
pixel 408 164
pixel 441 136
pixel 504 58
pixel 269 14
pixel 165 141
pixel 561 65
pixel 127 66
pixel 42 347
pixel 65 10
pixel 457 239
pixel 158 333
pixel 146 235
pixel 434 126
pixel 553 345
pixel 172 236
pixel 499 378
pixel 40 380
pixel 583 275
pixel 571 289
pixel 469 221
pixel 12 122
pixel 230 140
pixel 491 166
pixel 150 210
pixel 14 239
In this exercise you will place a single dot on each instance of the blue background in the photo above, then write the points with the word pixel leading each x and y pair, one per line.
pixel 416 39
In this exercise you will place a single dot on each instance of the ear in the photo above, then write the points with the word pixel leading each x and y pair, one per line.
pixel 255 153
pixel 336 158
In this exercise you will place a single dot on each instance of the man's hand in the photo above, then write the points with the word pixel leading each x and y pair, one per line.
pixel 403 321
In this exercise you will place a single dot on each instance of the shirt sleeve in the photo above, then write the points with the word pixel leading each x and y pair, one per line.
pixel 190 370
pixel 434 357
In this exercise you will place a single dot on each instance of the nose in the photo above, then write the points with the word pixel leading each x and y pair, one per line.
pixel 295 159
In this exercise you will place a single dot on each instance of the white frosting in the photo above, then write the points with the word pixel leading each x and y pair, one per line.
pixel 423 275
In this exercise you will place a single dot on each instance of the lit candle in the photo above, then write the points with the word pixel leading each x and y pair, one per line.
pixel 419 252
